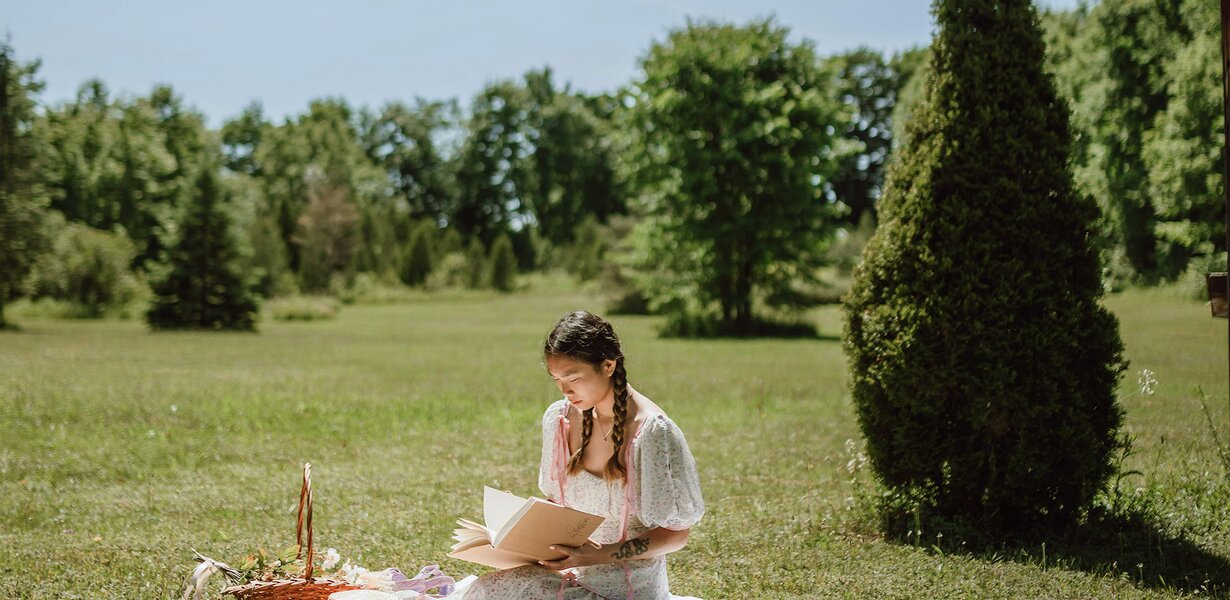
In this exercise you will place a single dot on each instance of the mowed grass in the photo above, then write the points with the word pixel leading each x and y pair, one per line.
pixel 121 450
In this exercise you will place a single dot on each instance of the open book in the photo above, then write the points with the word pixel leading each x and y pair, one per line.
pixel 519 531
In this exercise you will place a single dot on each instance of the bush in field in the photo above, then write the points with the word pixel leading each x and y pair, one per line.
pixel 303 308
pixel 983 364
pixel 476 263
pixel 502 265
pixel 86 267
pixel 419 259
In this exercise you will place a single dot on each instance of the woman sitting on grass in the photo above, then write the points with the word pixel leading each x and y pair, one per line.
pixel 610 451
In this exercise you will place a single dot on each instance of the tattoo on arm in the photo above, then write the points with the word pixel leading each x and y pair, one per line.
pixel 631 548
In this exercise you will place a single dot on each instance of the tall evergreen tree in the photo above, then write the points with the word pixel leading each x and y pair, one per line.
pixel 502 265
pixel 418 261
pixel 22 238
pixel 984 367
pixel 204 287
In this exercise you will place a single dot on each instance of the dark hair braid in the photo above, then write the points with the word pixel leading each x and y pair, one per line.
pixel 588 338
pixel 615 466
pixel 587 429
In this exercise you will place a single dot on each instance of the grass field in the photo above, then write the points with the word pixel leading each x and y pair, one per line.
pixel 121 449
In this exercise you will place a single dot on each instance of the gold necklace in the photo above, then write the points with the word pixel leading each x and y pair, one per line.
pixel 609 430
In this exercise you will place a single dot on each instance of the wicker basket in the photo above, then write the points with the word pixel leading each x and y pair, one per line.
pixel 307 587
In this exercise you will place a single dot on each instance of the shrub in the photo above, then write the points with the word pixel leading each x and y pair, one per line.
pixel 502 265
pixel 303 308
pixel 983 364
pixel 87 268
pixel 476 263
pixel 418 262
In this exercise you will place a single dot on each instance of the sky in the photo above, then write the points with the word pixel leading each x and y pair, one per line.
pixel 221 56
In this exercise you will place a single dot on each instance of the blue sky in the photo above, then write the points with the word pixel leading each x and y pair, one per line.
pixel 222 55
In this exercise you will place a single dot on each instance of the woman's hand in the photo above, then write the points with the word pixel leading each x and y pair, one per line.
pixel 590 553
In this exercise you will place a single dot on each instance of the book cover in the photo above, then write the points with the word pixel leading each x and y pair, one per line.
pixel 519 531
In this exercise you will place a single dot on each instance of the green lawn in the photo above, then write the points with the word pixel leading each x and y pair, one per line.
pixel 120 450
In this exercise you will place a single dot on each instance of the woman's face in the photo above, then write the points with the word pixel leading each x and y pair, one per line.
pixel 582 384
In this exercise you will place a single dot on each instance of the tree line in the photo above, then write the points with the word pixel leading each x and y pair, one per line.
pixel 714 187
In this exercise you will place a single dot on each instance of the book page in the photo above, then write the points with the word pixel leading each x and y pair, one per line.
pixel 486 555
pixel 499 507
pixel 545 524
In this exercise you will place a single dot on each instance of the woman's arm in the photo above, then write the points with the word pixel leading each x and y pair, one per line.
pixel 655 542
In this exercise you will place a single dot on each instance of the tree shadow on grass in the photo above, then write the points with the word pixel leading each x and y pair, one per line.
pixel 1128 546
pixel 686 325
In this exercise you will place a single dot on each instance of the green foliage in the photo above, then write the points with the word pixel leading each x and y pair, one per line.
pixel 572 173
pixel 269 261
pixel 299 160
pixel 502 265
pixel 204 286
pixel 868 86
pixel 736 151
pixel 476 264
pixel 86 267
pixel 451 271
pixel 911 67
pixel 122 162
pixel 419 259
pixel 22 236
pixel 303 308
pixel 1185 149
pixel 240 138
pixel 586 256
pixel 403 140
pixel 327 237
pixel 267 565
pixel 492 165
pixel 983 365
pixel 1147 145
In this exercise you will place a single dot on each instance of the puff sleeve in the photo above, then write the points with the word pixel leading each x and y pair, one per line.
pixel 548 482
pixel 669 484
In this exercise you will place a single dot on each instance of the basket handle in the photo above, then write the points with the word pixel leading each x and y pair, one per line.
pixel 305 506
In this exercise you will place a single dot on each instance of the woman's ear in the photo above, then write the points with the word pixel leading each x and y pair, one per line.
pixel 608 367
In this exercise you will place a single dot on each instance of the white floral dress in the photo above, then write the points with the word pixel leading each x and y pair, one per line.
pixel 664 492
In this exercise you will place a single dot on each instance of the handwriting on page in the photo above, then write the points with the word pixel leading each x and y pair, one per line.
pixel 579 528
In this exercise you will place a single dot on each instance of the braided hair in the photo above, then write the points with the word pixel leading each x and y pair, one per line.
pixel 588 338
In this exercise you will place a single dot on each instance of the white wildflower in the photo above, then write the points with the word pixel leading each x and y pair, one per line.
pixel 351 573
pixel 1146 381
pixel 331 559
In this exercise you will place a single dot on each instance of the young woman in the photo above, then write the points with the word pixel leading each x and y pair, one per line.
pixel 610 451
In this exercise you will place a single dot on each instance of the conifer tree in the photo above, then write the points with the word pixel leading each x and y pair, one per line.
pixel 204 286
pixel 419 259
pixel 476 263
pixel 983 365
pixel 502 264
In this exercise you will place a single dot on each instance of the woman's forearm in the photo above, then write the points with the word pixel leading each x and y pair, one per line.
pixel 655 542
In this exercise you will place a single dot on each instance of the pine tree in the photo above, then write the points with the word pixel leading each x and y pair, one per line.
pixel 204 287
pixel 22 235
pixel 476 263
pixel 502 264
pixel 419 257
pixel 983 365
